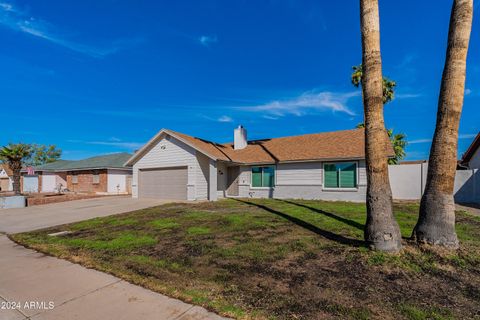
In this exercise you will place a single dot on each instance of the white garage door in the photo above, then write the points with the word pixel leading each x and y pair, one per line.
pixel 48 182
pixel 164 183
pixel 30 183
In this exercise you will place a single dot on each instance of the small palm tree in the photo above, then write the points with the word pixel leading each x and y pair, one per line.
pixel 15 155
pixel 388 85
pixel 398 143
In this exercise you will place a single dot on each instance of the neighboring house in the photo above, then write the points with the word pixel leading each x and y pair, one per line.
pixel 471 158
pixel 102 175
pixel 327 165
pixel 6 178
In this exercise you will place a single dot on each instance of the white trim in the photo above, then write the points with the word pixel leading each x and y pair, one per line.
pixel 81 169
pixel 340 189
pixel 299 185
pixel 357 174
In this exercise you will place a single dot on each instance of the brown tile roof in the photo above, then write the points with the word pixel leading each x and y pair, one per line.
pixel 346 144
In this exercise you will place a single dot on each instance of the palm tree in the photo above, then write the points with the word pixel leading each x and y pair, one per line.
pixel 398 143
pixel 381 229
pixel 398 140
pixel 15 155
pixel 388 85
pixel 436 222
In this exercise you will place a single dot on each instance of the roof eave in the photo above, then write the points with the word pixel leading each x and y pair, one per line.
pixel 145 148
pixel 82 169
pixel 467 156
pixel 356 158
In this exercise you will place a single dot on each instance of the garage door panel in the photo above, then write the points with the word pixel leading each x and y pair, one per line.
pixel 163 183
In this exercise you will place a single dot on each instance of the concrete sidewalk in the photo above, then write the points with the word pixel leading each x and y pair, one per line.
pixel 473 208
pixel 77 292
pixel 34 280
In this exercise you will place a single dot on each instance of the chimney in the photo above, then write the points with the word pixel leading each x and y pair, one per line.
pixel 239 138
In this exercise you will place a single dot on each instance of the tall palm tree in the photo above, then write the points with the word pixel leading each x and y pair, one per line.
pixel 381 229
pixel 436 223
pixel 15 155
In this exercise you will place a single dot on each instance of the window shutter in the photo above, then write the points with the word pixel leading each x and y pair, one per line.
pixel 331 177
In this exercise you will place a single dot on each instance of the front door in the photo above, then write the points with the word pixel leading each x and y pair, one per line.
pixel 232 181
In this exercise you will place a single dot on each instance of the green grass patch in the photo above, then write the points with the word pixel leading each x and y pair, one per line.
pixel 198 231
pixel 120 242
pixel 165 223
pixel 412 312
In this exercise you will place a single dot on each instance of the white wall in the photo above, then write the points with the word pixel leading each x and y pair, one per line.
pixel 201 182
pixel 294 174
pixel 117 181
pixel 408 182
pixel 303 180
pixel 174 153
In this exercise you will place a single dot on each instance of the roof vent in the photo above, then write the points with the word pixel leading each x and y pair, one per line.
pixel 239 138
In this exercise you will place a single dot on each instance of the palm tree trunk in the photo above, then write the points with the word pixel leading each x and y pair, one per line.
pixel 381 229
pixel 16 178
pixel 436 223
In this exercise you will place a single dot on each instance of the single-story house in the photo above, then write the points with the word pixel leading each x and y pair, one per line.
pixel 101 175
pixel 6 179
pixel 329 165
pixel 471 157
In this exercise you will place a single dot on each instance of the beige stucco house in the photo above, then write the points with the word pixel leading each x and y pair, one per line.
pixel 328 165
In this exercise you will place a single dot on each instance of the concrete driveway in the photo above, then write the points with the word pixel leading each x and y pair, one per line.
pixel 35 286
pixel 37 217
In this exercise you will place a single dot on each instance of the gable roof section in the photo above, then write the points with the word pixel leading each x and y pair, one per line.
pixel 8 171
pixel 109 161
pixel 337 145
pixel 467 156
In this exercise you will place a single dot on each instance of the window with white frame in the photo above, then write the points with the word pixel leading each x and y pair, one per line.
pixel 74 178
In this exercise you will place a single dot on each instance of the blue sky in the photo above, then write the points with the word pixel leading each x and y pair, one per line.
pixel 98 77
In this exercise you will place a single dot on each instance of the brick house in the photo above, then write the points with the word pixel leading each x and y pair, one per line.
pixel 99 175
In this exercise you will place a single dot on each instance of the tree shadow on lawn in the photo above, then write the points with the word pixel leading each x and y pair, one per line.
pixel 306 225
pixel 349 222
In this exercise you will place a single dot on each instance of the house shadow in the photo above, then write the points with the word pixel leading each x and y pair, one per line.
pixel 469 192
pixel 346 221
pixel 306 225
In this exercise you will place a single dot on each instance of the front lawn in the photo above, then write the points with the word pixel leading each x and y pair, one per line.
pixel 277 259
